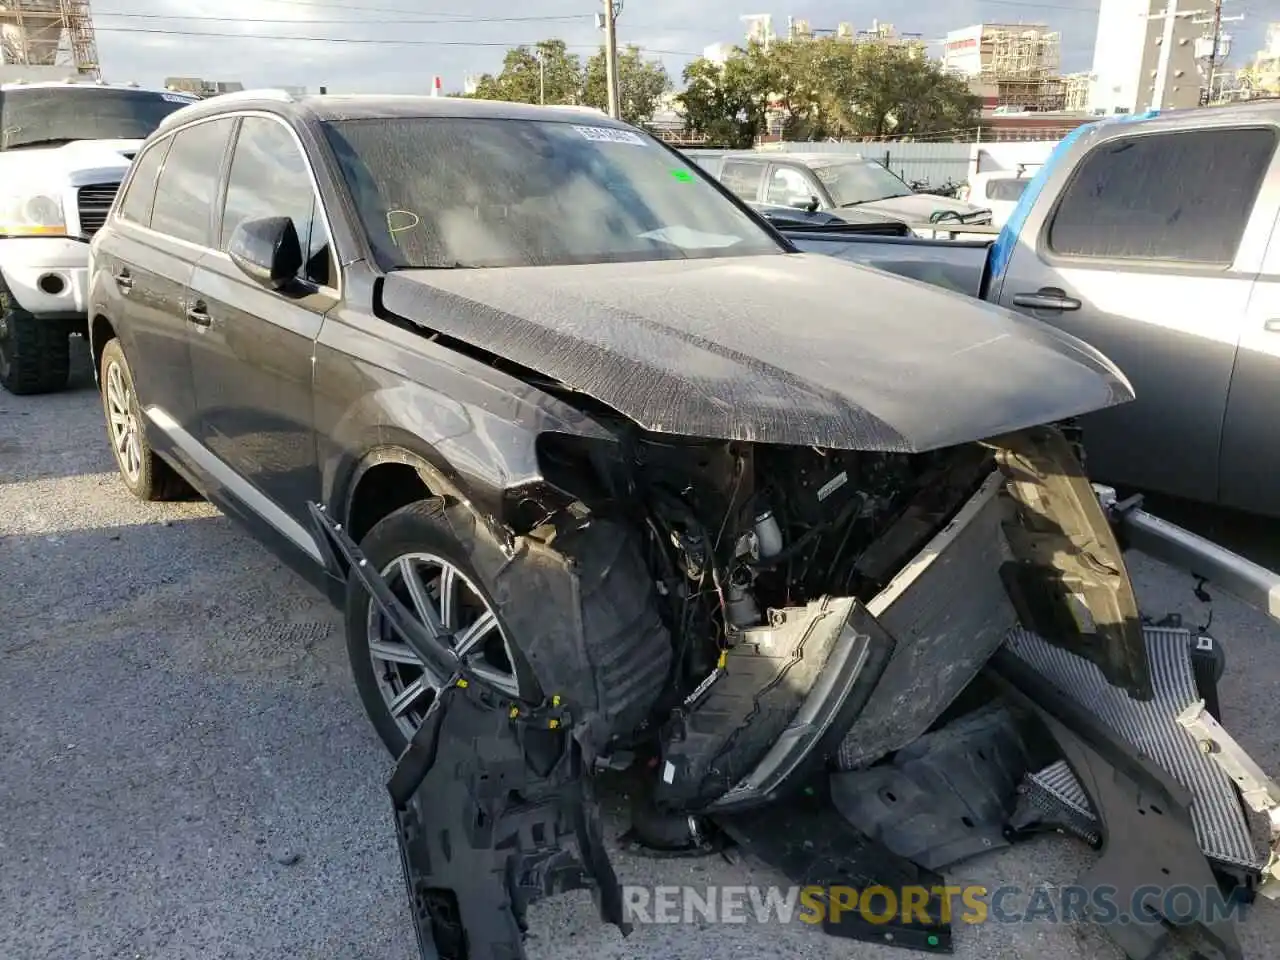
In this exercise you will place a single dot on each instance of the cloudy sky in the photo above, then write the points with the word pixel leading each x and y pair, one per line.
pixel 381 45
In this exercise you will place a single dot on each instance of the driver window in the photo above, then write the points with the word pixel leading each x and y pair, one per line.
pixel 786 184
pixel 270 178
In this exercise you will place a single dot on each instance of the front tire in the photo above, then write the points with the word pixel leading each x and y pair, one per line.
pixel 35 353
pixel 145 475
pixel 422 562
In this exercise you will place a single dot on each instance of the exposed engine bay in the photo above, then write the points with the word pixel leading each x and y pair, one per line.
pixel 735 533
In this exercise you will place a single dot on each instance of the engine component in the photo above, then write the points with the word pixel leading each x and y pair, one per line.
pixel 768 535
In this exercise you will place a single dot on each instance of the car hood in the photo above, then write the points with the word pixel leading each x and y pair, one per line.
pixel 917 207
pixel 784 348
pixel 109 158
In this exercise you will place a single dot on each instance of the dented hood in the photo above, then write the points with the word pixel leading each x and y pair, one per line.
pixel 786 348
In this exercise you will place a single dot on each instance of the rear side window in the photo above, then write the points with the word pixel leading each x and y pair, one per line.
pixel 189 181
pixel 1168 196
pixel 1006 189
pixel 742 178
pixel 136 203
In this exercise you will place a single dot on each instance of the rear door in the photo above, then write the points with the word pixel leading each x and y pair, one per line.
pixel 164 228
pixel 1250 463
pixel 1148 253
pixel 251 346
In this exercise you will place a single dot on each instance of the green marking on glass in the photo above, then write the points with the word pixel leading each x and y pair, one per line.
pixel 684 176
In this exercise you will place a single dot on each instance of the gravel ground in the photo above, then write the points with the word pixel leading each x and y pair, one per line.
pixel 185 770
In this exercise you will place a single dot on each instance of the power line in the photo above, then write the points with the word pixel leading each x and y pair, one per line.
pixel 371 41
pixel 461 19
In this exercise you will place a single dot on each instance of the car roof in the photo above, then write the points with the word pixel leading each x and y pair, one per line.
pixel 329 107
pixel 84 85
pixel 809 159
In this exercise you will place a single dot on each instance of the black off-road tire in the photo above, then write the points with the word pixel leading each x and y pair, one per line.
pixel 35 353
pixel 155 480
pixel 626 652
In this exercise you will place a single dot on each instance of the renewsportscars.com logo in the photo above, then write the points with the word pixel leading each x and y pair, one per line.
pixel 910 905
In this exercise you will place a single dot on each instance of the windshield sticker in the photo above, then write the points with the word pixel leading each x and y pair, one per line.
pixel 827 174
pixel 684 176
pixel 176 98
pixel 610 135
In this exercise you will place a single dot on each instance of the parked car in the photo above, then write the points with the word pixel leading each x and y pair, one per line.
pixel 64 148
pixel 597 464
pixel 1154 239
pixel 839 185
pixel 997 190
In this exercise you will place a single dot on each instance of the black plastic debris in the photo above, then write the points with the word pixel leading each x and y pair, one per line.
pixel 944 798
pixel 807 840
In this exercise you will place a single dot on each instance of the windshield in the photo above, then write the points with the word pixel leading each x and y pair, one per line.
pixel 458 192
pixel 55 114
pixel 859 181
pixel 1006 189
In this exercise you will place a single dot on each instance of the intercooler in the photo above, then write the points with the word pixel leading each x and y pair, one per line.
pixel 948 611
pixel 1055 795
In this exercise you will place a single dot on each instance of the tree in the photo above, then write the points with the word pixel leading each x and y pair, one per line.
pixel 892 93
pixel 726 102
pixel 544 73
pixel 641 84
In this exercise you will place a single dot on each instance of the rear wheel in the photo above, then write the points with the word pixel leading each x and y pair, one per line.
pixel 145 475
pixel 35 353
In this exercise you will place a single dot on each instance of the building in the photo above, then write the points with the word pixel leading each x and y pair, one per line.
pixel 52 36
pixel 1011 66
pixel 1126 59
pixel 1076 88
pixel 1261 78
pixel 719 53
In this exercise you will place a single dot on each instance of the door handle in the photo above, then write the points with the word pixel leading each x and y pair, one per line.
pixel 1046 298
pixel 124 280
pixel 198 313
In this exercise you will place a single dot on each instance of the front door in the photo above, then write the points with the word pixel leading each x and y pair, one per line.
pixel 1150 258
pixel 251 346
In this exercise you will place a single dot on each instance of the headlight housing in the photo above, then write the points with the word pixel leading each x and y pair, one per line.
pixel 32 214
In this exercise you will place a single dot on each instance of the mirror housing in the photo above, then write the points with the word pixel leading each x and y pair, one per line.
pixel 267 250
pixel 803 202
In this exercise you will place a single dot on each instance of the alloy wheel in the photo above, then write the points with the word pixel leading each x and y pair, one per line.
pixel 433 588
pixel 126 437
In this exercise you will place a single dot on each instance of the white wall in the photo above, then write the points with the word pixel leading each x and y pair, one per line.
pixel 1127 54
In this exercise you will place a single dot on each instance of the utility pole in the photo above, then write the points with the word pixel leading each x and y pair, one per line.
pixel 1214 58
pixel 610 23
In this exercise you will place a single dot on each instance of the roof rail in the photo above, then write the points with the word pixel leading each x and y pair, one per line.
pixel 264 93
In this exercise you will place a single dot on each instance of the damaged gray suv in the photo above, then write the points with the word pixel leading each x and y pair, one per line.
pixel 602 470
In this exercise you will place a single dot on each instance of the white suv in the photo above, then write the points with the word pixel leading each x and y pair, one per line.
pixel 64 149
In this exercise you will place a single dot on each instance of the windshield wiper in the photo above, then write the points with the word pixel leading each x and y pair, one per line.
pixel 42 142
pixel 891 196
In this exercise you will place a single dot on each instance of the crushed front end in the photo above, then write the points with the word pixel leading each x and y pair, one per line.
pixel 814 611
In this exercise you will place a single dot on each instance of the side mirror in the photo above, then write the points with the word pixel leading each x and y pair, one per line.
pixel 803 202
pixel 267 251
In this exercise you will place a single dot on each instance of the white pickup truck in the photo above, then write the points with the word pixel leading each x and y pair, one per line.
pixel 64 149
pixel 1154 238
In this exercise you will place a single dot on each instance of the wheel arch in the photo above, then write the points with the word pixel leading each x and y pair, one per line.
pixel 101 332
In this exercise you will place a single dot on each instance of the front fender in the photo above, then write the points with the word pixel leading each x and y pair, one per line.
pixel 396 396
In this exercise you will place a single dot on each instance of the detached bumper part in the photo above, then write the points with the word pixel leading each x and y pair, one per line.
pixel 492 816
pixel 491 798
